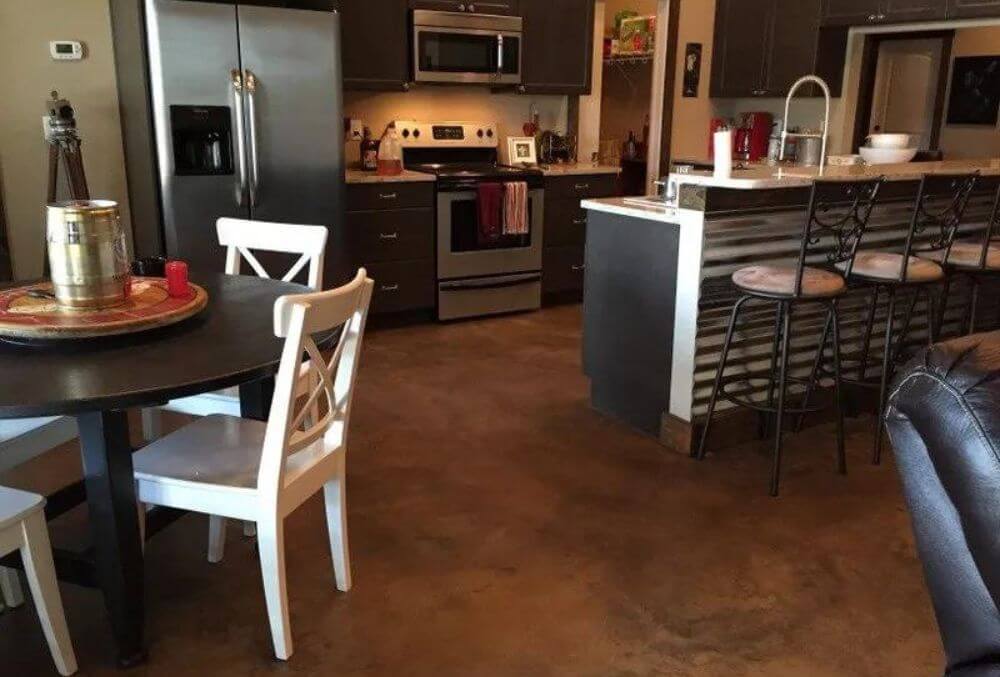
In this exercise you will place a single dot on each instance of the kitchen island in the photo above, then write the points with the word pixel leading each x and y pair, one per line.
pixel 658 293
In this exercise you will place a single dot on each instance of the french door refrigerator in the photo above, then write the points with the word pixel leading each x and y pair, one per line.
pixel 229 109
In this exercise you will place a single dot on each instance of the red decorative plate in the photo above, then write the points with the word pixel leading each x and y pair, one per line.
pixel 27 316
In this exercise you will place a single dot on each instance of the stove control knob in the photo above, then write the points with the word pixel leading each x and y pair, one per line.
pixel 479 133
pixel 416 133
pixel 406 133
pixel 489 133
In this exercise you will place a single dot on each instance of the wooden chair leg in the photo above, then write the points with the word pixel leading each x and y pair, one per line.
pixel 700 454
pixel 271 543
pixel 786 331
pixel 10 588
pixel 152 424
pixel 335 496
pixel 41 574
pixel 216 538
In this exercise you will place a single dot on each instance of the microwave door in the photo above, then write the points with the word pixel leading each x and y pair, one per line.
pixel 454 55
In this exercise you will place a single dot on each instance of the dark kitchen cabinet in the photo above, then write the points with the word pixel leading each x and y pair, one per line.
pixel 968 9
pixel 375 44
pixel 496 7
pixel 761 48
pixel 558 46
pixel 389 230
pixel 566 232
pixel 871 12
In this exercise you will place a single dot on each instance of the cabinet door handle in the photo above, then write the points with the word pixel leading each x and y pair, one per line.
pixel 389 287
pixel 582 186
pixel 580 222
pixel 387 196
pixel 576 268
pixel 388 236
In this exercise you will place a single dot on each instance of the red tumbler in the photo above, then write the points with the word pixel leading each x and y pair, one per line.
pixel 177 279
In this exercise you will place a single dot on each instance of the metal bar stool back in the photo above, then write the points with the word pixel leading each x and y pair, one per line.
pixel 836 219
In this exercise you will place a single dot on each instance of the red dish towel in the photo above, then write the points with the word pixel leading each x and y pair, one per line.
pixel 489 206
pixel 515 208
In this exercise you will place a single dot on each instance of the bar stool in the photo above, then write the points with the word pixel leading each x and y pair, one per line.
pixel 975 261
pixel 938 210
pixel 837 217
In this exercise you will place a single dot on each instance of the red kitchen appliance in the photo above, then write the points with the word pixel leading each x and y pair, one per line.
pixel 757 133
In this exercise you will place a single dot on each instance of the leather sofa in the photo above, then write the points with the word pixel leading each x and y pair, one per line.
pixel 944 422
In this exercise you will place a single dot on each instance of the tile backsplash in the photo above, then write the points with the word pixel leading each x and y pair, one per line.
pixel 444 103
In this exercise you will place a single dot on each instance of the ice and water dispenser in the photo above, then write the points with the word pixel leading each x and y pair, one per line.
pixel 203 140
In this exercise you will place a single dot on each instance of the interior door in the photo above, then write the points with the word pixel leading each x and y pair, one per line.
pixel 194 52
pixel 906 84
pixel 294 117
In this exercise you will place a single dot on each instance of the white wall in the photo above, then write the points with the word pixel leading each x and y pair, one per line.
pixel 27 74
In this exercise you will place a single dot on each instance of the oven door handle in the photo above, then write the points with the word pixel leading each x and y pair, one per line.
pixel 491 283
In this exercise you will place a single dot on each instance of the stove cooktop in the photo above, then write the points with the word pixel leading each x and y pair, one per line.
pixel 477 171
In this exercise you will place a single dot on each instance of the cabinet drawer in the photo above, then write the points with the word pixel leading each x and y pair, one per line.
pixel 391 235
pixel 399 195
pixel 402 285
pixel 565 223
pixel 562 269
pixel 583 186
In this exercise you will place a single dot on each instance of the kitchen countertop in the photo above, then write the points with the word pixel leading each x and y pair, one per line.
pixel 763 176
pixel 622 207
pixel 359 176
pixel 577 169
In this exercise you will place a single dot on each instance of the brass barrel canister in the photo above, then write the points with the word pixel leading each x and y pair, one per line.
pixel 88 254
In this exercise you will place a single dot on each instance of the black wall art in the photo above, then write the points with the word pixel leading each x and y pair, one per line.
pixel 975 91
pixel 692 68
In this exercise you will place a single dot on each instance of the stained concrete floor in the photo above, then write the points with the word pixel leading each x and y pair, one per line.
pixel 499 526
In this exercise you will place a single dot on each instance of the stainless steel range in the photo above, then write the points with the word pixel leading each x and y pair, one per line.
pixel 476 275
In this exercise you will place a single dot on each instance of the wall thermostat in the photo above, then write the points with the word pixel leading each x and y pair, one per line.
pixel 66 50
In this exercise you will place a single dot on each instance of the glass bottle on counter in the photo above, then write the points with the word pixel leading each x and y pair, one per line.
pixel 390 153
pixel 369 152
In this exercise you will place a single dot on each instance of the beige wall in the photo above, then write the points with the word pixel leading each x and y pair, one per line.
pixel 692 115
pixel 972 141
pixel 28 74
pixel 432 103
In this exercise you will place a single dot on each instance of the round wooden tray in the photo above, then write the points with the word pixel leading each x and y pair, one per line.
pixel 31 317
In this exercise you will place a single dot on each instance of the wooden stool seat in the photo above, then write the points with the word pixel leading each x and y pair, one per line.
pixel 967 255
pixel 885 267
pixel 780 281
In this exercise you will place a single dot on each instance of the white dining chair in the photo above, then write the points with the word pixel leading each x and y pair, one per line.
pixel 261 472
pixel 22 527
pixel 242 238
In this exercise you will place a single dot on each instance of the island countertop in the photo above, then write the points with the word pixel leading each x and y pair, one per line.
pixel 757 177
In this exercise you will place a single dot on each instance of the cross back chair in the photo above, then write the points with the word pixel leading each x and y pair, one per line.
pixel 261 472
pixel 242 238
pixel 836 219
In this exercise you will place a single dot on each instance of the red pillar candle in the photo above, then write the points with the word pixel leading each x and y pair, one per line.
pixel 177 279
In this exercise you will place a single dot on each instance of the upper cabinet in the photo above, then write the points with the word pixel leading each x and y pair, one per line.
pixel 498 7
pixel 558 46
pixel 375 44
pixel 873 12
pixel 961 9
pixel 762 48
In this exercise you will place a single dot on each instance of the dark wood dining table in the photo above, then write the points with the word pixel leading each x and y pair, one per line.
pixel 231 343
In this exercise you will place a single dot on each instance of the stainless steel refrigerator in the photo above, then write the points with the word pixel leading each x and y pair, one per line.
pixel 229 109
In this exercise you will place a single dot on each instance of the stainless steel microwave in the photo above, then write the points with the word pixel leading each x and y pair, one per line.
pixel 466 48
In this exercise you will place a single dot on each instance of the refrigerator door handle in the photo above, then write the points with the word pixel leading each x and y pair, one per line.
pixel 251 87
pixel 236 78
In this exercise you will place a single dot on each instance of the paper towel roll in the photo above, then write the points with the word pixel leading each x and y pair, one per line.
pixel 723 143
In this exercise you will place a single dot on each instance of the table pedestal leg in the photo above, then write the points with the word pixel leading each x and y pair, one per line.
pixel 114 524
pixel 255 399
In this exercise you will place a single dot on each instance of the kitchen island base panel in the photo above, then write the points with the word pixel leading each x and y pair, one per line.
pixel 630 284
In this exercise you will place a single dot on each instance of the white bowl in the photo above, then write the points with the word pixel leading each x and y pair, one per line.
pixel 887 156
pixel 897 141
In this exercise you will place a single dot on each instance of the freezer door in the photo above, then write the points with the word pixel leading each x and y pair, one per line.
pixel 195 83
pixel 291 63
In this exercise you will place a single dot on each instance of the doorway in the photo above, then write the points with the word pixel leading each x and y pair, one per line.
pixel 902 88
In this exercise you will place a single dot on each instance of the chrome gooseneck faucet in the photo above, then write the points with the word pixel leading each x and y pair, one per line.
pixel 826 117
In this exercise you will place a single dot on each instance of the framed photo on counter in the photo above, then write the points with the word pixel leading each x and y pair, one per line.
pixel 521 150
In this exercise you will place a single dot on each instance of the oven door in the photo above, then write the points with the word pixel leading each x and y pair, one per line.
pixel 462 253
pixel 466 55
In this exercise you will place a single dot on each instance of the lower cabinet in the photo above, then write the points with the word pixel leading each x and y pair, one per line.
pixel 566 233
pixel 390 231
